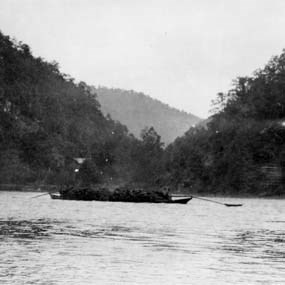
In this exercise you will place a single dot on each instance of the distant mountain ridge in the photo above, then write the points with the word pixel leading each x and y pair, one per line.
pixel 137 111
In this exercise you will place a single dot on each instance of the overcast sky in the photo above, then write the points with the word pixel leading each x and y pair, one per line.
pixel 180 52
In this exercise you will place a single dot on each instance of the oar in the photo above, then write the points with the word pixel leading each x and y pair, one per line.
pixel 39 195
pixel 225 204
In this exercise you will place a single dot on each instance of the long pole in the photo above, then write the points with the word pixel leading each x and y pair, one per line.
pixel 209 200
pixel 39 195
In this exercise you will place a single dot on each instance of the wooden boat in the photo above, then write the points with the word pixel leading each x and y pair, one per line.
pixel 171 200
pixel 180 200
pixel 55 196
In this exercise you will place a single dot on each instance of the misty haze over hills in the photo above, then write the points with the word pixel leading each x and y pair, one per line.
pixel 137 111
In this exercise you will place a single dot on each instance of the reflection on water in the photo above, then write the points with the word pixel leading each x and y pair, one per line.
pixel 24 229
pixel 70 242
pixel 260 244
pixel 43 229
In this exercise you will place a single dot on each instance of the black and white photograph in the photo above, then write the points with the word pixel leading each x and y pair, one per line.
pixel 142 142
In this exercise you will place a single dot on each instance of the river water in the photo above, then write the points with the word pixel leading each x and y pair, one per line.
pixel 44 241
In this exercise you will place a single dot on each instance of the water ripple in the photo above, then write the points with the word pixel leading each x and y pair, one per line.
pixel 69 242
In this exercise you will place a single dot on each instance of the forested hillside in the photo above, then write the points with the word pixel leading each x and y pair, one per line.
pixel 242 150
pixel 47 120
pixel 136 111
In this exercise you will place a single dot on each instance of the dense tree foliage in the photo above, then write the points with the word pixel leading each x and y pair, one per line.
pixel 47 120
pixel 148 156
pixel 242 148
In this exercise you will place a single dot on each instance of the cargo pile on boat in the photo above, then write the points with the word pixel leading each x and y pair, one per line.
pixel 122 194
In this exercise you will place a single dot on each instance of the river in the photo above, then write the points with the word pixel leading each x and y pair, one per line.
pixel 44 241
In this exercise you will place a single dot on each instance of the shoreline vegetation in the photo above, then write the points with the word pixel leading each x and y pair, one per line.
pixel 185 192
pixel 53 132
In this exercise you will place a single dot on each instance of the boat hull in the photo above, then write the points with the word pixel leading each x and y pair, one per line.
pixel 56 196
pixel 177 200
pixel 181 200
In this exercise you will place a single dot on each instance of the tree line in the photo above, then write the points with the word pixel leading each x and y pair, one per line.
pixel 48 120
pixel 241 150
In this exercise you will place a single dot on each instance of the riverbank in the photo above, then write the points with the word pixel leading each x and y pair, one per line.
pixel 27 187
pixel 39 188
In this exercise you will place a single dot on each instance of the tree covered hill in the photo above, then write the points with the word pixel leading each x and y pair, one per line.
pixel 242 149
pixel 47 120
pixel 136 111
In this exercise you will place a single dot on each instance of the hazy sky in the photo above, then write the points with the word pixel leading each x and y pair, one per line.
pixel 180 52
